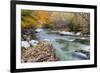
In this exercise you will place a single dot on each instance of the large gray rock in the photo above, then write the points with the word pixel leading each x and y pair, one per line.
pixel 39 30
pixel 25 44
pixel 33 42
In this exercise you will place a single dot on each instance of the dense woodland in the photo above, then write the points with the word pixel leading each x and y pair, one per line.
pixel 68 21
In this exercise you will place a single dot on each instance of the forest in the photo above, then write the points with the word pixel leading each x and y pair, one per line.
pixel 70 21
pixel 54 36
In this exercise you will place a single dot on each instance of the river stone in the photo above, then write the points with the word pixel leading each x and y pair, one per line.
pixel 39 53
pixel 25 44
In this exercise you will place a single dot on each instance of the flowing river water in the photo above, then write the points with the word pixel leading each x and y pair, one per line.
pixel 63 53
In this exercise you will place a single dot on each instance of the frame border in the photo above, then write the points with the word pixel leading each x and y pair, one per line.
pixel 13 36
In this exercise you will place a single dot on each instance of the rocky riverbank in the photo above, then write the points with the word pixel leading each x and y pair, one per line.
pixel 42 52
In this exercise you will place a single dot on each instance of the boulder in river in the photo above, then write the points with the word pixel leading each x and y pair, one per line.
pixel 78 33
pixel 39 30
pixel 25 44
pixel 81 55
pixel 33 42
pixel 83 52
pixel 65 33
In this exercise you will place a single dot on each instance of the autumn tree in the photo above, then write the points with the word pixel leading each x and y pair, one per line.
pixel 70 21
pixel 37 19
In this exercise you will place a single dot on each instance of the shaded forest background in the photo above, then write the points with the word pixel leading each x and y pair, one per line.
pixel 63 21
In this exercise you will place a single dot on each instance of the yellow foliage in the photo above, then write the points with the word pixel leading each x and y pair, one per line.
pixel 38 18
pixel 34 18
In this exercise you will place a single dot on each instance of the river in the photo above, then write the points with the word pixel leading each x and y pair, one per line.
pixel 66 49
